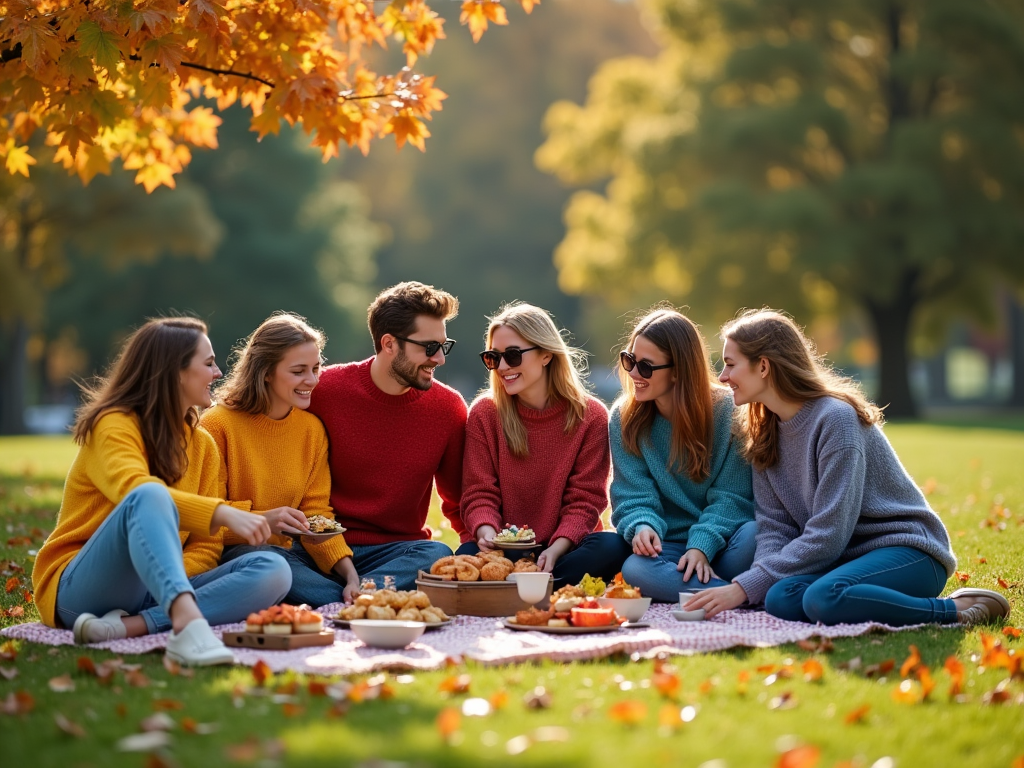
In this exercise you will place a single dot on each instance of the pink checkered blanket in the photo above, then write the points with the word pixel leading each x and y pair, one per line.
pixel 487 641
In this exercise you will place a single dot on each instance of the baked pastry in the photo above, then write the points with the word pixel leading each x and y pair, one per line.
pixel 533 617
pixel 381 612
pixel 433 615
pixel 350 612
pixel 525 565
pixel 409 614
pixel 496 570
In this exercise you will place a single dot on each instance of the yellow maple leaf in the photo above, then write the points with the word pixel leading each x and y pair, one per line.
pixel 152 176
pixel 408 129
pixel 529 4
pixel 201 127
pixel 477 13
pixel 18 159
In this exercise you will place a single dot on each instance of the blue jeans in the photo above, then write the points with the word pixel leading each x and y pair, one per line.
pixel 657 577
pixel 600 554
pixel 891 585
pixel 133 562
pixel 401 559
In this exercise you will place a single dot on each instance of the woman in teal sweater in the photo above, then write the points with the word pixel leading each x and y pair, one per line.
pixel 681 494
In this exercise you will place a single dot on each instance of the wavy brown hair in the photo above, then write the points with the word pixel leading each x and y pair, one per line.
pixel 564 373
pixel 247 387
pixel 693 393
pixel 145 380
pixel 797 373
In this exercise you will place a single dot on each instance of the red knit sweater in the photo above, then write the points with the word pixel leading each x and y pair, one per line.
pixel 559 489
pixel 386 453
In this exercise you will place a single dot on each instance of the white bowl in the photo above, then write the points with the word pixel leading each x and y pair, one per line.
pixel 381 633
pixel 697 615
pixel 631 609
pixel 533 586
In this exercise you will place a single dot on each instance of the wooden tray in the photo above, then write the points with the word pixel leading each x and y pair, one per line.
pixel 475 598
pixel 277 642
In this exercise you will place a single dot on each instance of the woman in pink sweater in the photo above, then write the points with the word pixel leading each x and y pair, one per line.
pixel 537 451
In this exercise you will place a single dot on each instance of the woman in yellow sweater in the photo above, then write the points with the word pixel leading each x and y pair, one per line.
pixel 275 455
pixel 137 536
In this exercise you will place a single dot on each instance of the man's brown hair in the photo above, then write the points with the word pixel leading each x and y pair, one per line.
pixel 396 308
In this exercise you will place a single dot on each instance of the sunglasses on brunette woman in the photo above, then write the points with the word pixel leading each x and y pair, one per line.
pixel 645 369
pixel 513 356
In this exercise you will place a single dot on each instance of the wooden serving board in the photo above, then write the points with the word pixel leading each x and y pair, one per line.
pixel 277 642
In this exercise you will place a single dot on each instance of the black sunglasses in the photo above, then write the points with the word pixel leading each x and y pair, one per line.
pixel 645 369
pixel 431 347
pixel 513 356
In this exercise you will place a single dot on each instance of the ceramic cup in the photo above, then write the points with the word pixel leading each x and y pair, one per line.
pixel 532 586
pixel 680 614
pixel 685 597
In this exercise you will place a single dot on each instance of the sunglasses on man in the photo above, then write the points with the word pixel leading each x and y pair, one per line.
pixel 644 368
pixel 431 347
pixel 513 356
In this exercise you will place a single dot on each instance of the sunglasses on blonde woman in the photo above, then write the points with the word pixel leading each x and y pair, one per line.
pixel 513 356
pixel 644 368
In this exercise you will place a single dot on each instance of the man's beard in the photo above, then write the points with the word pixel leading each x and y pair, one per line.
pixel 405 372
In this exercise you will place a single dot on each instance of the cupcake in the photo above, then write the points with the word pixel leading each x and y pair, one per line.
pixel 278 620
pixel 254 624
pixel 307 622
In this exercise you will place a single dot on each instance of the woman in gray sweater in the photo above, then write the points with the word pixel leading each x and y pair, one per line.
pixel 844 534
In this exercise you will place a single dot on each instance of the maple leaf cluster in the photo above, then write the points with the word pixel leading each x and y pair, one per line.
pixel 113 80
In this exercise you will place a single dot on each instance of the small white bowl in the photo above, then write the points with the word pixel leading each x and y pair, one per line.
pixel 381 633
pixel 631 609
pixel 533 586
pixel 697 615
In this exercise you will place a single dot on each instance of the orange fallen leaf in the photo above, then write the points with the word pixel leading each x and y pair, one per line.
pixel 246 752
pixel 1018 762
pixel 911 663
pixel 86 665
pixel 61 684
pixel 290 709
pixel 1012 632
pixel 12 584
pixel 802 757
pixel 669 716
pixel 767 669
pixel 1003 583
pixel 17 703
pixel 962 576
pixel 955 670
pixel 136 679
pixel 707 686
pixel 121 709
pixel 813 671
pixel 667 684
pixel 188 725
pixel 907 692
pixel 628 712
pixel 261 672
pixel 857 715
pixel 69 727
pixel 449 720
pixel 317 688
pixel 499 699
pixel 455 684
pixel 16 612
pixel 167 705
pixel 27 596
pixel 982 560
pixel 338 709
pixel 288 689
pixel 925 678
pixel 742 679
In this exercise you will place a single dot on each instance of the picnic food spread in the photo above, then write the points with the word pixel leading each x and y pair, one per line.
pixel 620 590
pixel 487 566
pixel 388 604
pixel 515 534
pixel 321 524
pixel 571 606
pixel 284 620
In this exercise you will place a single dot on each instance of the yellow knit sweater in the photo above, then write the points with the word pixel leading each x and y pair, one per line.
pixel 270 463
pixel 110 465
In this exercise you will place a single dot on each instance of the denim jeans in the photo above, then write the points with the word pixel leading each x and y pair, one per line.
pixel 600 554
pixel 891 585
pixel 133 562
pixel 657 577
pixel 401 559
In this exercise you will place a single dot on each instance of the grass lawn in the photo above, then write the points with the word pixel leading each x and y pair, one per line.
pixel 739 708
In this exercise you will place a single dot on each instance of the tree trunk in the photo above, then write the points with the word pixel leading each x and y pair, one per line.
pixel 891 320
pixel 1017 352
pixel 12 379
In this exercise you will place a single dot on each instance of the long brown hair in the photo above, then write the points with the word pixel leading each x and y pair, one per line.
pixel 797 373
pixel 145 380
pixel 246 388
pixel 565 371
pixel 693 401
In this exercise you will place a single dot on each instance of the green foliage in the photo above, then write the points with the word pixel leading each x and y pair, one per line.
pixel 817 156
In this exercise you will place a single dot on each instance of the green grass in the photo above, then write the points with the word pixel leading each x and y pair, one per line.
pixel 972 474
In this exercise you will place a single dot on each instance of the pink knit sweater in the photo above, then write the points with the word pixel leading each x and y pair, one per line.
pixel 559 489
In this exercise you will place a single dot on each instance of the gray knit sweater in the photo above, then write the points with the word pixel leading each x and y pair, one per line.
pixel 837 493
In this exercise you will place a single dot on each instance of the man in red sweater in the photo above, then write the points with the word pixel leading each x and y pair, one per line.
pixel 394 433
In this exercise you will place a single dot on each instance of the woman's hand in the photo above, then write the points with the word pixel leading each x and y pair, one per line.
pixel 253 529
pixel 286 520
pixel 485 538
pixel 717 599
pixel 695 561
pixel 549 557
pixel 346 569
pixel 647 543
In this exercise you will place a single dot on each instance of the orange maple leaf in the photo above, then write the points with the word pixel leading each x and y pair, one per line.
pixel 449 720
pixel 408 129
pixel 857 715
pixel 628 712
pixel 261 672
pixel 528 5
pixel 12 584
pixel 477 13
pixel 962 576
pixel 911 662
pixel 455 684
pixel 806 756
pixel 813 671
pixel 667 684
pixel 1012 632
pixel 955 670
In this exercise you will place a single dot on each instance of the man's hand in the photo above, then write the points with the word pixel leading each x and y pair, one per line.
pixel 693 560
pixel 647 543
pixel 253 529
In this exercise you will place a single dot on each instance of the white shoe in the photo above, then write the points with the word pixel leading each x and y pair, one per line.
pixel 90 628
pixel 197 646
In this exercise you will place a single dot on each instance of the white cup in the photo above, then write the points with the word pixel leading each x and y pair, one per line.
pixel 685 597
pixel 533 587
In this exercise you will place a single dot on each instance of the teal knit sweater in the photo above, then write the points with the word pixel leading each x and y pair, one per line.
pixel 646 492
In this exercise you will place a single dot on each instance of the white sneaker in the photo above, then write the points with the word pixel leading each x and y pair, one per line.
pixel 197 646
pixel 90 628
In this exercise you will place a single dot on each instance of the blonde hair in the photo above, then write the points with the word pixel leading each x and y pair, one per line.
pixel 246 388
pixel 693 407
pixel 797 373
pixel 565 372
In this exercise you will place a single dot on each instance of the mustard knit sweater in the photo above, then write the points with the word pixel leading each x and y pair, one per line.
pixel 268 463
pixel 110 465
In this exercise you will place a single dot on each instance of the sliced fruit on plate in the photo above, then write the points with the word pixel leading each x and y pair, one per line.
pixel 594 617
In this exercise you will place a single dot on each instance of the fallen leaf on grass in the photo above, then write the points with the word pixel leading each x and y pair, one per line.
pixel 18 703
pixel 667 684
pixel 538 698
pixel 69 727
pixel 785 700
pixel 813 671
pixel 707 686
pixel 200 729
pixel 290 709
pixel 955 670
pixel 669 717
pixel 817 645
pixel 61 684
pixel 167 705
pixel 246 752
pixel 857 715
pixel 449 720
pixel 962 577
pixel 801 757
pixel 882 668
pixel 136 679
pixel 852 665
pixel 175 668
pixel 1018 762
pixel 499 699
pixel 455 684
pixel 12 584
pixel 628 712
pixel 160 721
pixel 338 709
pixel 8 651
pixel 16 612
pixel 144 742
pixel 1012 632
pixel 27 596
pixel 742 679
pixel 288 689
pixel 317 688
pixel 156 760
pixel 86 665
pixel 982 560
pixel 911 663
pixel 261 672
pixel 8 673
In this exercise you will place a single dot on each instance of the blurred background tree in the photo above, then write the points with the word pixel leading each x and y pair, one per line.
pixel 820 157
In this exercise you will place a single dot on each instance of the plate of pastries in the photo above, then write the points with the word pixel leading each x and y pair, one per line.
pixel 393 605
pixel 486 566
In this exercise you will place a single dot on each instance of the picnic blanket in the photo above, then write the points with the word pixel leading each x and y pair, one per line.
pixel 486 641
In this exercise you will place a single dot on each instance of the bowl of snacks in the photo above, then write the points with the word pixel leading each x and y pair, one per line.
pixel 625 599
pixel 387 633
pixel 515 537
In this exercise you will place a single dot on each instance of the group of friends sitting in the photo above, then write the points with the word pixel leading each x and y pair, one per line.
pixel 769 484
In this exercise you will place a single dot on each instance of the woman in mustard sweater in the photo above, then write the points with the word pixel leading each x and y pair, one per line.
pixel 136 536
pixel 274 455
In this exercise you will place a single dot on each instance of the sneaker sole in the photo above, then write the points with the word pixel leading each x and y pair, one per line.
pixel 975 592
pixel 77 629
pixel 212 662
